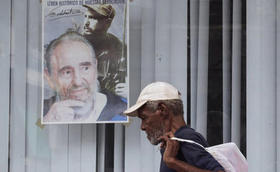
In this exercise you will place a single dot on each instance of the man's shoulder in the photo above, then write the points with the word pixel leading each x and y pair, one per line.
pixel 112 37
pixel 113 110
pixel 105 42
pixel 185 131
pixel 114 41
pixel 189 133
pixel 107 37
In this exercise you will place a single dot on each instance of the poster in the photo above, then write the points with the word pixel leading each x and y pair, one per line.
pixel 84 61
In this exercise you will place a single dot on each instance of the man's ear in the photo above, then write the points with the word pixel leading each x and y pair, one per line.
pixel 163 109
pixel 48 78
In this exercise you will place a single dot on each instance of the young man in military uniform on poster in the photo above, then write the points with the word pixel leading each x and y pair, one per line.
pixel 110 51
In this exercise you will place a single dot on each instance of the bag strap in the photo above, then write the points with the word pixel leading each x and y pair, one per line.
pixel 186 140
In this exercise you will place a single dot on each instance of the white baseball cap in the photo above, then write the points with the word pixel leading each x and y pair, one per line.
pixel 152 92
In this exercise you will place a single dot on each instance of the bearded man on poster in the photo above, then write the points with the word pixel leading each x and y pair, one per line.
pixel 71 71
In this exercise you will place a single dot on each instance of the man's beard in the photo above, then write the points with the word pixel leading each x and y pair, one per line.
pixel 84 111
pixel 87 30
pixel 154 135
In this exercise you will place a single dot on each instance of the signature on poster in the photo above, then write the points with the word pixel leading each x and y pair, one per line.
pixel 63 12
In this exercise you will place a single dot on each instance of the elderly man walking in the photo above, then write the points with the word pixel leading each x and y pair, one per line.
pixel 160 108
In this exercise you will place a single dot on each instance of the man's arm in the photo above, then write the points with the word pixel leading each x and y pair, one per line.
pixel 169 156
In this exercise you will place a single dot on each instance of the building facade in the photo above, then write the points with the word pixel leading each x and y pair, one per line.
pixel 222 55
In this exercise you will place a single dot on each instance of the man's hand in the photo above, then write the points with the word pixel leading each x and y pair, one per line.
pixel 169 156
pixel 62 111
pixel 171 148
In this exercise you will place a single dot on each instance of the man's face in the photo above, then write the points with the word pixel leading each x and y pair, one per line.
pixel 90 23
pixel 152 124
pixel 73 71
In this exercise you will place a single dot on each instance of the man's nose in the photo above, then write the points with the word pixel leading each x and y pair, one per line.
pixel 143 126
pixel 87 23
pixel 77 79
